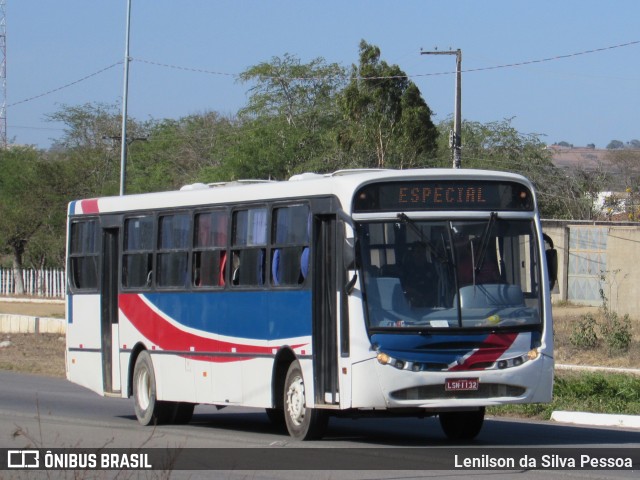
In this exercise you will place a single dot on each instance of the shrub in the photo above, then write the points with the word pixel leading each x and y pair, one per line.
pixel 584 332
pixel 616 332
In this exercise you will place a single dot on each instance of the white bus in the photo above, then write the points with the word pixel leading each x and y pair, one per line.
pixel 410 292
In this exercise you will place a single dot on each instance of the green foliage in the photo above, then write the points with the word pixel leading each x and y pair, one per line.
pixel 32 207
pixel 177 152
pixel 584 333
pixel 90 145
pixel 289 123
pixel 599 393
pixel 387 123
pixel 590 392
pixel 616 332
pixel 499 146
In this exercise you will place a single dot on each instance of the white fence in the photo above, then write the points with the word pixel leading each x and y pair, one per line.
pixel 37 283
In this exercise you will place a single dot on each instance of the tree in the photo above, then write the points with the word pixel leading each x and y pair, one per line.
pixel 287 125
pixel 388 124
pixel 615 144
pixel 30 204
pixel 582 194
pixel 499 146
pixel 92 143
pixel 178 152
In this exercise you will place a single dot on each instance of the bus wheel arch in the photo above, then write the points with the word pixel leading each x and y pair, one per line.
pixel 284 358
pixel 139 347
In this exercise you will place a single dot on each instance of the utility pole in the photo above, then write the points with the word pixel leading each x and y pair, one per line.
pixel 455 138
pixel 3 74
pixel 123 148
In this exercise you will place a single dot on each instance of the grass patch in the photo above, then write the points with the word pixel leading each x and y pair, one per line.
pixel 585 392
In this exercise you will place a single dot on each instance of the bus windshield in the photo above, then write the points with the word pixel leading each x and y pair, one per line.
pixel 480 273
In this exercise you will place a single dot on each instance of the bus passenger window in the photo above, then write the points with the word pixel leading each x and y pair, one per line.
pixel 209 249
pixel 249 242
pixel 173 245
pixel 83 255
pixel 137 262
pixel 290 239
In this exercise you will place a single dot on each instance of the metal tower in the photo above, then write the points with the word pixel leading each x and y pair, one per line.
pixel 3 75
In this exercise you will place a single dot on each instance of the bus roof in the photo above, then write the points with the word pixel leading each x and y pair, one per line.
pixel 342 184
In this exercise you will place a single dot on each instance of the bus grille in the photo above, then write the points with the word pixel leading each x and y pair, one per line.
pixel 430 392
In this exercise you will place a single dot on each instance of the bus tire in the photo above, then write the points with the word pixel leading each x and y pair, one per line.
pixel 276 417
pixel 462 425
pixel 149 410
pixel 182 413
pixel 303 423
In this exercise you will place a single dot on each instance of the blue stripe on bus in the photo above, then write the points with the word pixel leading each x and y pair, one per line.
pixel 437 348
pixel 264 315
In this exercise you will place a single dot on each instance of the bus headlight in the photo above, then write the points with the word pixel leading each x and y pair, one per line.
pixel 517 361
pixel 385 359
pixel 533 354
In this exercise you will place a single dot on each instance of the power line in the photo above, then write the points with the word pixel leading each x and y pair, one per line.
pixel 87 77
pixel 417 75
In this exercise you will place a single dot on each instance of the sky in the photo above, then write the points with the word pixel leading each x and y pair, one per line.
pixel 186 55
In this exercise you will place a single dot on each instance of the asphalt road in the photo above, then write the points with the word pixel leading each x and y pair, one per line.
pixel 49 412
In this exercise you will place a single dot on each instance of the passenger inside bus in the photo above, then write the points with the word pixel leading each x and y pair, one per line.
pixel 290 265
pixel 419 278
pixel 473 271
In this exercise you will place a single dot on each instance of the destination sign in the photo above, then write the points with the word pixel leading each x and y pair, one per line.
pixel 443 195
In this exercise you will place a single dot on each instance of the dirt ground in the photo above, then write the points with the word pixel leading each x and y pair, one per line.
pixel 44 353
pixel 44 309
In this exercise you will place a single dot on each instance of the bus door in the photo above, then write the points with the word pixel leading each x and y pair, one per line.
pixel 109 311
pixel 325 319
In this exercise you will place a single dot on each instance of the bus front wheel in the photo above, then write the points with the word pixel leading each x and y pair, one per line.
pixel 149 410
pixel 462 425
pixel 303 423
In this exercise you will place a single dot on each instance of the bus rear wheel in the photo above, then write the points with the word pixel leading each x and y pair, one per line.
pixel 182 412
pixel 149 410
pixel 462 425
pixel 303 423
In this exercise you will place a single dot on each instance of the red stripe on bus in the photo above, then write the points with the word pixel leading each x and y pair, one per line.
pixel 169 337
pixel 491 349
pixel 90 206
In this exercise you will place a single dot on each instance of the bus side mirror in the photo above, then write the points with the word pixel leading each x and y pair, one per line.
pixel 349 254
pixel 552 261
pixel 349 262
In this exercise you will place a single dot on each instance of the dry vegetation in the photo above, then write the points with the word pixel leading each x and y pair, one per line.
pixel 44 354
pixel 567 321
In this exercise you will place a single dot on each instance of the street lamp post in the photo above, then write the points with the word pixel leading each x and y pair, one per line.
pixel 456 135
pixel 123 149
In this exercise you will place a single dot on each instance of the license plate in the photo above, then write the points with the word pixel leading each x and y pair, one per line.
pixel 461 384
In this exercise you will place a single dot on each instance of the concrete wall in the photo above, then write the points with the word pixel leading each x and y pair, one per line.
pixel 622 277
pixel 622 286
pixel 10 323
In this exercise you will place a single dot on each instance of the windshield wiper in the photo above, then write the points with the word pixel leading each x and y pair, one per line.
pixel 484 244
pixel 432 249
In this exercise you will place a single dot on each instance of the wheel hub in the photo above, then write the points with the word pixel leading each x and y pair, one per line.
pixel 296 401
